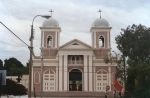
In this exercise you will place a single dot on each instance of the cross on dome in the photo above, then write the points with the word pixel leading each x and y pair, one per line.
pixel 100 12
pixel 51 12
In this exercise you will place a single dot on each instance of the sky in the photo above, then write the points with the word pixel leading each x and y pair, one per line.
pixel 75 18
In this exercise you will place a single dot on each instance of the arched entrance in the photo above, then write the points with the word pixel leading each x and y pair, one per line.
pixel 75 80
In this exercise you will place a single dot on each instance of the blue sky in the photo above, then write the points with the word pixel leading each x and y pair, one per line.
pixel 75 18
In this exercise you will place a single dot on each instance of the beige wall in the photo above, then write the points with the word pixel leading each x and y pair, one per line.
pixel 24 79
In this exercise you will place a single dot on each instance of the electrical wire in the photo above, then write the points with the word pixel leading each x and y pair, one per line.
pixel 14 34
pixel 13 5
pixel 9 40
pixel 14 15
pixel 10 44
pixel 15 11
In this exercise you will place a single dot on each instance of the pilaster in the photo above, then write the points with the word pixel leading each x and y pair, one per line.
pixel 85 74
pixel 109 76
pixel 90 74
pixel 60 72
pixel 65 73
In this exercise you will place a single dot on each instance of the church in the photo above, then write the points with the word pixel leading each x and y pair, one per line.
pixel 74 68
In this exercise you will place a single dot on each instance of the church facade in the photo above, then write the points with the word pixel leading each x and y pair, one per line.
pixel 74 66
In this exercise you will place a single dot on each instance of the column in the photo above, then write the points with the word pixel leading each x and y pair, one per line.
pixel 56 39
pixel 94 78
pixel 85 74
pixel 42 39
pixel 56 82
pixel 90 74
pixel 60 72
pixel 65 73
pixel 94 39
pixel 108 39
pixel 109 76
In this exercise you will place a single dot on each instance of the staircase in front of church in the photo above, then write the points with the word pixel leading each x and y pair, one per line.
pixel 74 94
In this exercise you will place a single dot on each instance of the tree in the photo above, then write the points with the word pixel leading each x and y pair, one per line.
pixel 12 88
pixel 134 44
pixel 1 64
pixel 14 67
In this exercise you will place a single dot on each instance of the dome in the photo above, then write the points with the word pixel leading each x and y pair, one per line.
pixel 100 22
pixel 50 23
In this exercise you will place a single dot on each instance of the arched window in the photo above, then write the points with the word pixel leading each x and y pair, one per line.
pixel 49 80
pixel 101 80
pixel 101 41
pixel 49 41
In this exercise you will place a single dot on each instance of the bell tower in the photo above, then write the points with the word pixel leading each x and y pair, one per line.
pixel 100 33
pixel 50 33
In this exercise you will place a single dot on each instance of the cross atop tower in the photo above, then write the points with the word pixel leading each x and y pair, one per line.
pixel 100 12
pixel 51 12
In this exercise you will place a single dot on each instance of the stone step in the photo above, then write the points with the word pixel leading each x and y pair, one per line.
pixel 73 94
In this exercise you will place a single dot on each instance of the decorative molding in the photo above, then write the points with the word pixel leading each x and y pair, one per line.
pixel 50 29
pixel 45 64
pixel 75 52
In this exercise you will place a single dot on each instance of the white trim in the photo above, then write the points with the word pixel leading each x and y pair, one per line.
pixel 38 77
pixel 58 29
pixel 85 74
pixel 112 77
pixel 90 52
pixel 56 40
pixel 46 64
pixel 60 72
pixel 56 82
pixel 94 39
pixel 65 73
pixel 100 64
pixel 90 74
pixel 109 75
pixel 94 79
pixel 42 39
pixel 100 29
pixel 31 81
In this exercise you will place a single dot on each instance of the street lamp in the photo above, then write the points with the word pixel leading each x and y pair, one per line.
pixel 31 52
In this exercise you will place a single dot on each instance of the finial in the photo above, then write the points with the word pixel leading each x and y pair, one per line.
pixel 51 12
pixel 100 12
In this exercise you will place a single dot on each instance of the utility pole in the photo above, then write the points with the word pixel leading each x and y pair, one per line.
pixel 41 72
pixel 31 54
pixel 31 62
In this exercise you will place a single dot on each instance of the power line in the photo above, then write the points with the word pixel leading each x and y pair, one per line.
pixel 9 40
pixel 16 12
pixel 11 10
pixel 10 44
pixel 14 34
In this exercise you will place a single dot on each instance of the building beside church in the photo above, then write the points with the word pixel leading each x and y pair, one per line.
pixel 74 66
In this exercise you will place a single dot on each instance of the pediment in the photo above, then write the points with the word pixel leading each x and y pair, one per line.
pixel 75 44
